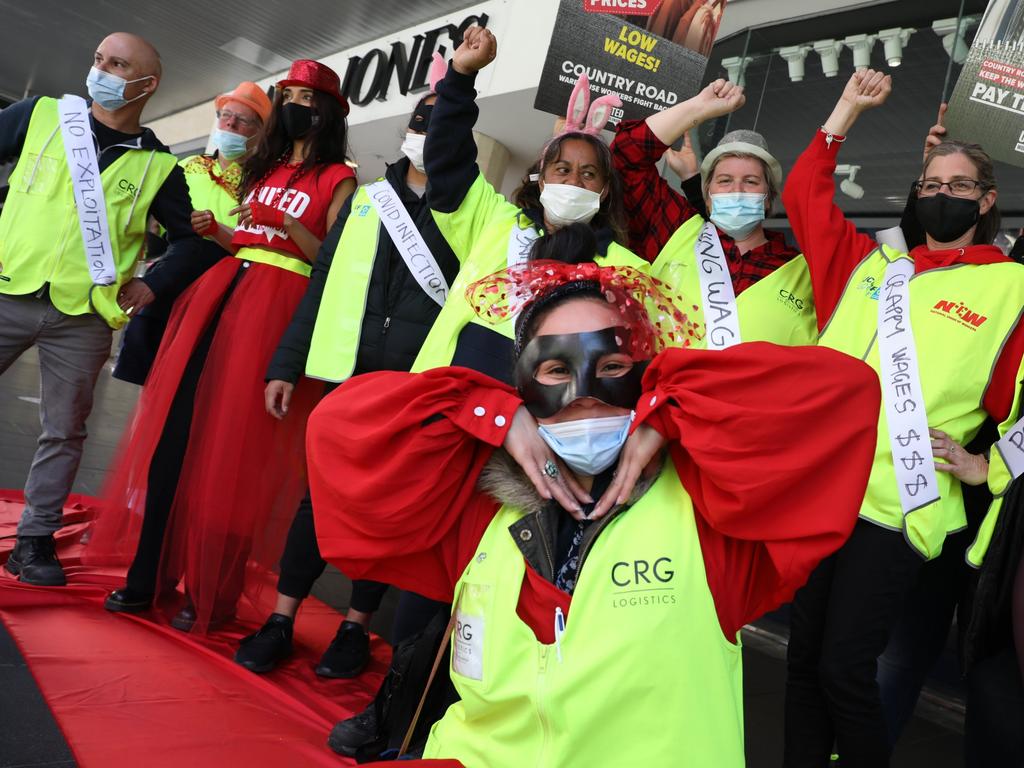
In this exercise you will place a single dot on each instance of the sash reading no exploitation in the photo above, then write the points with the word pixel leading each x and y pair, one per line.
pixel 90 203
pixel 1011 448
pixel 716 292
pixel 408 240
pixel 909 441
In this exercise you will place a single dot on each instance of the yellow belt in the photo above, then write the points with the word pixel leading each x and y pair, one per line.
pixel 274 259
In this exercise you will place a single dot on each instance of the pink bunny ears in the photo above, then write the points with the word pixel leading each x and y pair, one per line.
pixel 584 117
pixel 438 68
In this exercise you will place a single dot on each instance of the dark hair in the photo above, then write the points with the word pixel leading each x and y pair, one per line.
pixel 989 224
pixel 612 211
pixel 573 244
pixel 327 142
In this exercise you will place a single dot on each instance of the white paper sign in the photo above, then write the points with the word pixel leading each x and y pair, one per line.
pixel 1011 448
pixel 468 646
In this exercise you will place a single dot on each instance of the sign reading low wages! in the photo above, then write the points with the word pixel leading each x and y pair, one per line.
pixel 646 71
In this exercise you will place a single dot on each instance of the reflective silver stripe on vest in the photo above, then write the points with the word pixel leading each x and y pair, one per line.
pixel 717 296
pixel 90 202
pixel 408 240
pixel 1011 448
pixel 905 413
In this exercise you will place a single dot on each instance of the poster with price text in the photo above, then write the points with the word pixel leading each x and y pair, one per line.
pixel 651 54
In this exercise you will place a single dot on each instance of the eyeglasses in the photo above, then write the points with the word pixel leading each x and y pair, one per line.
pixel 227 116
pixel 957 187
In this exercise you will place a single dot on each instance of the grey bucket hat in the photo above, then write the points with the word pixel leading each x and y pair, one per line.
pixel 745 143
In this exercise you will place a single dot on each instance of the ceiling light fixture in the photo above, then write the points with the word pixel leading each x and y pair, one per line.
pixel 794 56
pixel 954 36
pixel 861 45
pixel 736 66
pixel 849 186
pixel 894 40
pixel 828 50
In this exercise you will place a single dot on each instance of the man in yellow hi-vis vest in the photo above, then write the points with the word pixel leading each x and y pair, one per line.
pixel 85 179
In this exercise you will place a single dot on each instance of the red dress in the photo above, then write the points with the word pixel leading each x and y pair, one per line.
pixel 243 472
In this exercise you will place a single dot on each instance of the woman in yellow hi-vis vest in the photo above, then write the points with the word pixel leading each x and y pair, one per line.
pixel 202 457
pixel 942 327
pixel 599 578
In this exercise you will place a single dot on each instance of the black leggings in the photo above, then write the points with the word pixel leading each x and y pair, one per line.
pixel 301 565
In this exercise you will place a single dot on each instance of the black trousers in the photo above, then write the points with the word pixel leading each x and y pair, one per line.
pixel 841 620
pixel 994 732
pixel 301 564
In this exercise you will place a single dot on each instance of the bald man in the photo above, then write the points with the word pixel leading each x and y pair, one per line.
pixel 72 228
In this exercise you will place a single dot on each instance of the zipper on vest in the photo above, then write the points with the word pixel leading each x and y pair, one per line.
pixel 559 631
pixel 542 714
pixel 387 324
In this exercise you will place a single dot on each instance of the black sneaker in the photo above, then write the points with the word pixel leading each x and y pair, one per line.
pixel 359 734
pixel 34 561
pixel 348 654
pixel 127 600
pixel 261 651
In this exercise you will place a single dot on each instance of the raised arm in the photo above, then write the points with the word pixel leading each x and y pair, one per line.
pixel 831 244
pixel 653 208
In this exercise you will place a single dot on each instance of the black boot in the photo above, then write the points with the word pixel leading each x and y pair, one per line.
pixel 128 600
pixel 260 652
pixel 359 734
pixel 34 561
pixel 348 654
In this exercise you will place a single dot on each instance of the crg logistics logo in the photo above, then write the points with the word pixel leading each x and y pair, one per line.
pixel 643 582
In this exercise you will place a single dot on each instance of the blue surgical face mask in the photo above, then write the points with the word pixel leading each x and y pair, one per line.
pixel 229 144
pixel 737 213
pixel 588 446
pixel 107 90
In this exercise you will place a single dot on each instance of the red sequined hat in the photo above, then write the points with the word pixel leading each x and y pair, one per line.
pixel 312 74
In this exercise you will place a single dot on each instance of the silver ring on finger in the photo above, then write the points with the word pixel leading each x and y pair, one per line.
pixel 551 469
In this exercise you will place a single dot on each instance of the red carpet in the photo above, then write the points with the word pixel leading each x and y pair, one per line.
pixel 126 690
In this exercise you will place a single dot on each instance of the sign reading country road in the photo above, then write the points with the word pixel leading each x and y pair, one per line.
pixel 649 67
pixel 987 105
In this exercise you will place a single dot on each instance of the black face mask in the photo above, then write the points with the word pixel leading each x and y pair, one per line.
pixel 580 352
pixel 297 120
pixel 946 218
pixel 420 117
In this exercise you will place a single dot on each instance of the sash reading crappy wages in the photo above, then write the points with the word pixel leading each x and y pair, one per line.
pixel 1011 448
pixel 716 293
pixel 90 203
pixel 909 442
pixel 408 240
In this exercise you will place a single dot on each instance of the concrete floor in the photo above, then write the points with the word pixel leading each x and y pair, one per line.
pixel 934 741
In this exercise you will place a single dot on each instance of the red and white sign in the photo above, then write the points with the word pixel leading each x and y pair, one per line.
pixel 629 7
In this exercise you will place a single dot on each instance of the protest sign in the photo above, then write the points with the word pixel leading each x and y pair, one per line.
pixel 649 68
pixel 987 105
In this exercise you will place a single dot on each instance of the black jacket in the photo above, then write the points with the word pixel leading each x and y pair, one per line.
pixel 171 206
pixel 398 314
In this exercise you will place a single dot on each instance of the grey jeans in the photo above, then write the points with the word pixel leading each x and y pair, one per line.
pixel 72 351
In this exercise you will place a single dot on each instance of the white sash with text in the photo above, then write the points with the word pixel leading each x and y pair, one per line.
pixel 901 391
pixel 1011 448
pixel 408 240
pixel 716 292
pixel 520 241
pixel 90 203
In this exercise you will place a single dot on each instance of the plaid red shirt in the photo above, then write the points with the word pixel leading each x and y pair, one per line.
pixel 655 210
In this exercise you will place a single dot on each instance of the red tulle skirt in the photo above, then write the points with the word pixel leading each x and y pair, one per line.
pixel 243 472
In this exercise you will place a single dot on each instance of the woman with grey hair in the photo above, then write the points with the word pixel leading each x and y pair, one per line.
pixel 739 182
